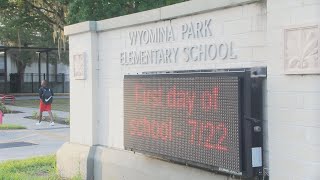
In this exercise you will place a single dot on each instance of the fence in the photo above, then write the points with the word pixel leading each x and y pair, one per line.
pixel 29 83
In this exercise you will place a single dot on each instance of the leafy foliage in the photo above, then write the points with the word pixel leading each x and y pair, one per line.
pixel 23 28
pixel 35 115
pixel 67 120
pixel 52 12
pixel 4 109
pixel 93 10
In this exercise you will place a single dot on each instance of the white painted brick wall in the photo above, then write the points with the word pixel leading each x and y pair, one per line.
pixel 238 26
pixel 254 10
pixel 291 109
pixel 311 2
pixel 259 23
pixel 110 46
pixel 275 5
pixel 293 83
pixel 82 103
pixel 244 25
pixel 292 101
pixel 305 14
pixel 298 117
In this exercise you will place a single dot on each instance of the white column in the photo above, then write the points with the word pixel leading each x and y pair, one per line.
pixel 76 156
pixel 292 108
pixel 83 94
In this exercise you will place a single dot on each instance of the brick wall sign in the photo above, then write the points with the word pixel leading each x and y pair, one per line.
pixel 146 45
pixel 301 51
pixel 79 66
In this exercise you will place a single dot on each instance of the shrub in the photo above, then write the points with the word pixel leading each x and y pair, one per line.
pixel 55 116
pixel 67 120
pixel 3 108
pixel 35 115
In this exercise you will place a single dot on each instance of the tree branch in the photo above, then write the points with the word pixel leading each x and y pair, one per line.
pixel 40 8
pixel 44 16
pixel 47 3
pixel 59 11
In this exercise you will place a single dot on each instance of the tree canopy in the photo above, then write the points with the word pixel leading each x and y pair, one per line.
pixel 17 29
pixel 93 10
pixel 22 31
pixel 50 16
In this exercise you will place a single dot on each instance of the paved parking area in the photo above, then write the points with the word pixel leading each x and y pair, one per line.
pixel 33 141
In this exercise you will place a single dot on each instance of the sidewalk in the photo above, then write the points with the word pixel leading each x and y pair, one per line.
pixel 33 141
pixel 29 111
pixel 37 97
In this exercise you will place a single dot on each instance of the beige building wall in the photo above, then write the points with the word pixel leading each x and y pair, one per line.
pixel 293 100
pixel 277 34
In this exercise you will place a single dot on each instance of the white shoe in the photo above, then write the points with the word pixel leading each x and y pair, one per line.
pixel 52 124
pixel 38 123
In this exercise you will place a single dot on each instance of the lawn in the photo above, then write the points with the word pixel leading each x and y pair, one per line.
pixel 58 104
pixel 10 127
pixel 39 168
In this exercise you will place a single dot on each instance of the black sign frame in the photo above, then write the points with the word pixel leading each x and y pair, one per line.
pixel 247 137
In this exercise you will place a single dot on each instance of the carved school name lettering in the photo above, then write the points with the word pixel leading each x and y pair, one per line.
pixel 143 40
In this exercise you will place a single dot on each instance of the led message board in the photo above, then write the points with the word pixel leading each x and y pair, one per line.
pixel 189 118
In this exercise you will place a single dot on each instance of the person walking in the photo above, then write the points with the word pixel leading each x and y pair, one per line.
pixel 46 98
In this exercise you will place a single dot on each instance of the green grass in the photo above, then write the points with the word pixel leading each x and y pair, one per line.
pixel 10 127
pixel 39 168
pixel 58 104
pixel 34 168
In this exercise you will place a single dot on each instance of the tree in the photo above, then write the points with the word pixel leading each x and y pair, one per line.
pixel 58 13
pixel 94 10
pixel 21 29
pixel 51 12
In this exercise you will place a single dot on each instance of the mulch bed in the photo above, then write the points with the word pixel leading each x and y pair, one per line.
pixel 47 119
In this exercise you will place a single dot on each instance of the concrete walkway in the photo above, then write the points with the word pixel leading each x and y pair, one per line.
pixel 36 97
pixel 33 141
pixel 32 110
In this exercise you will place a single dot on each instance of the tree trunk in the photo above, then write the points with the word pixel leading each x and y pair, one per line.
pixel 21 69
pixel 21 66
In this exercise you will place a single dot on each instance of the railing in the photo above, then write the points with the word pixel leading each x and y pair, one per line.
pixel 30 83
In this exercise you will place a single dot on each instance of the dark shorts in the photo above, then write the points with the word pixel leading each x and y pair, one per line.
pixel 44 107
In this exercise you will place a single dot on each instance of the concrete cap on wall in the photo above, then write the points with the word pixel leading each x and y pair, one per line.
pixel 83 27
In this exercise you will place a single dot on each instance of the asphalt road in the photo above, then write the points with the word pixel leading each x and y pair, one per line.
pixel 33 141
